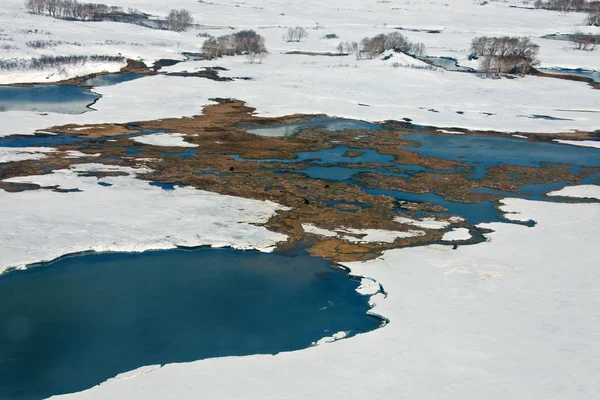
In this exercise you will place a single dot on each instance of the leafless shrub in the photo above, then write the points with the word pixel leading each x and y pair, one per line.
pixel 372 47
pixel 46 62
pixel 504 55
pixel 179 20
pixel 244 42
pixel 295 34
pixel 586 41
pixel 43 44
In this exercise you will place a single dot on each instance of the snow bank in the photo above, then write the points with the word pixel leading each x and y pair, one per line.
pixel 582 143
pixel 10 154
pixel 513 317
pixel 130 215
pixel 581 191
pixel 362 235
pixel 427 223
pixel 456 234
pixel 164 139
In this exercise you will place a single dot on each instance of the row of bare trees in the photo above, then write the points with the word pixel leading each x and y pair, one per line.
pixel 372 47
pixel 246 42
pixel 592 8
pixel 71 9
pixel 566 5
pixel 504 55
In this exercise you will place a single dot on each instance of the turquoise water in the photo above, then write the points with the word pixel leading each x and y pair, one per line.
pixel 74 323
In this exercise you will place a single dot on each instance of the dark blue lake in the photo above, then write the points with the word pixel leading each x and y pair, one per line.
pixel 76 322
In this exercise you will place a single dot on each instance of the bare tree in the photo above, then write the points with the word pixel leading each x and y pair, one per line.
pixel 296 34
pixel 593 18
pixel 179 20
pixel 504 55
pixel 246 42
pixel 372 47
pixel 586 41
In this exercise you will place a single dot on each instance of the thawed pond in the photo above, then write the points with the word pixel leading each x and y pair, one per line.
pixel 76 322
pixel 62 99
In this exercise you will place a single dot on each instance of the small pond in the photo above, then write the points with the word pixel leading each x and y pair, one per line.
pixel 62 99
pixel 76 322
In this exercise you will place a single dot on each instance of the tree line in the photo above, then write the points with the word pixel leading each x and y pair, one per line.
pixel 177 20
pixel 592 8
pixel 71 9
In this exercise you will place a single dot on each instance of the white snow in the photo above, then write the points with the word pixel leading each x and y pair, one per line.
pixel 582 143
pixel 456 234
pixel 581 191
pixel 514 317
pixel 315 230
pixel 362 235
pixel 130 215
pixel 339 86
pixel 330 339
pixel 164 139
pixel 10 154
pixel 450 132
pixel 426 223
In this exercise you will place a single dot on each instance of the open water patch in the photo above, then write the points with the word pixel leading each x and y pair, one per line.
pixel 486 151
pixel 326 123
pixel 111 79
pixel 80 320
pixel 63 99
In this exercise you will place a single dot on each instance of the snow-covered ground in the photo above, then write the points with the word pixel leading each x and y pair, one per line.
pixel 582 143
pixel 372 90
pixel 164 139
pixel 514 317
pixel 11 154
pixel 130 215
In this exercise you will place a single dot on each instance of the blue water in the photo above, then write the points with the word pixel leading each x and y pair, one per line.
pixel 486 151
pixel 64 99
pixel 327 123
pixel 593 75
pixel 70 325
pixel 448 63
pixel 110 80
